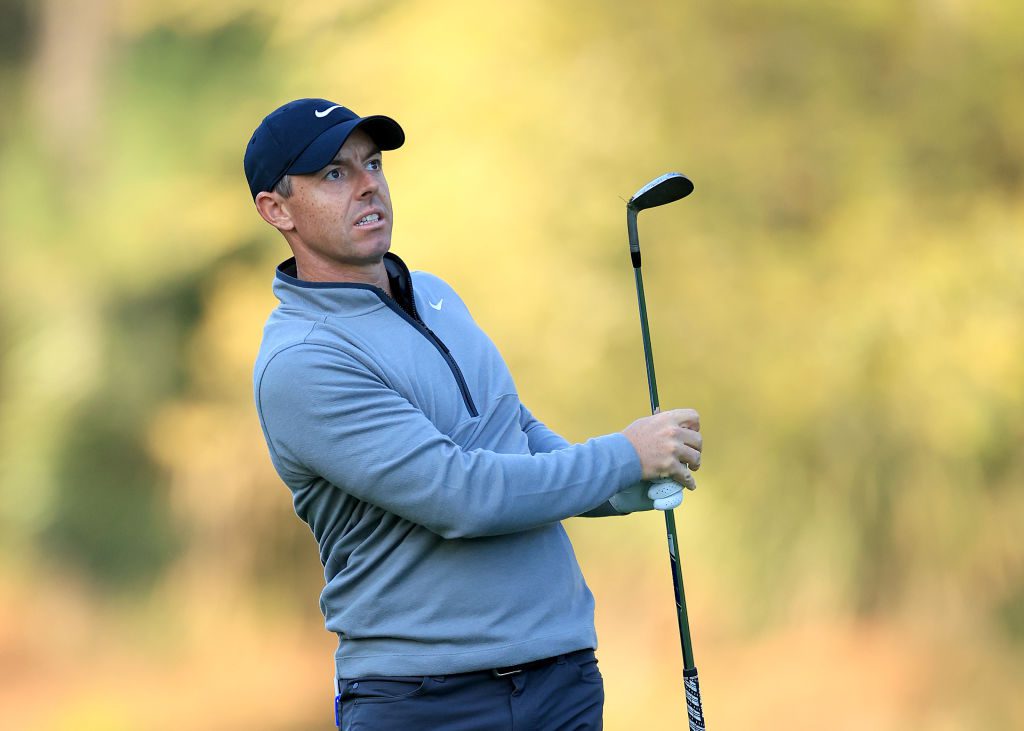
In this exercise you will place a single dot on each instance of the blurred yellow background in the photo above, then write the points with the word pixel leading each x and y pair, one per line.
pixel 841 299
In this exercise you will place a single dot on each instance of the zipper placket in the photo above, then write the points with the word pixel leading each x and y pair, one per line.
pixel 430 335
pixel 456 371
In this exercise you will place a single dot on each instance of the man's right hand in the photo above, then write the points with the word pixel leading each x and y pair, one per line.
pixel 669 445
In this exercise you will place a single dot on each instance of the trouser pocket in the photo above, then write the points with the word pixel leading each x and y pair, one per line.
pixel 382 690
pixel 360 695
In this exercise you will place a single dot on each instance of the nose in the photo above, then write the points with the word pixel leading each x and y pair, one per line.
pixel 368 184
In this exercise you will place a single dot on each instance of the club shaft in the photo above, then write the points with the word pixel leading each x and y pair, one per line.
pixel 652 379
pixel 694 709
pixel 677 582
pixel 670 519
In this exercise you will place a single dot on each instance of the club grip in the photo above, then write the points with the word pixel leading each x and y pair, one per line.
pixel 693 705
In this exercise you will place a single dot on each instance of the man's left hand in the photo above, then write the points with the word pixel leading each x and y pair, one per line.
pixel 660 495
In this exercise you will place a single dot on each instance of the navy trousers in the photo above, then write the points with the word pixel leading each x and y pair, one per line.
pixel 564 695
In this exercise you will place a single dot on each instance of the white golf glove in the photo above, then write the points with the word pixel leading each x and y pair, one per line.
pixel 660 495
pixel 666 494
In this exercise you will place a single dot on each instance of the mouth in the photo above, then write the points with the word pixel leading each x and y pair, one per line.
pixel 368 220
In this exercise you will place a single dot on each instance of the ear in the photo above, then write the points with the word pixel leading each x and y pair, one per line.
pixel 274 211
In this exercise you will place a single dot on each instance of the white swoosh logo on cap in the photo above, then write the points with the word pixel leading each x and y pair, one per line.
pixel 327 111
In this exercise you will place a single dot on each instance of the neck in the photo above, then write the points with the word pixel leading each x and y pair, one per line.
pixel 320 271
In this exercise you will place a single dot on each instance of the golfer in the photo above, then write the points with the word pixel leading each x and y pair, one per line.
pixel 434 494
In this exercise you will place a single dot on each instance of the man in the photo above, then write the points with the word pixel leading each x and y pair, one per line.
pixel 434 494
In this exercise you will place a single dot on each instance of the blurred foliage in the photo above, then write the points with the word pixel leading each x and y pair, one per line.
pixel 841 298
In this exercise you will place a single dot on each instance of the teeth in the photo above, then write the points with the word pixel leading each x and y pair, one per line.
pixel 371 218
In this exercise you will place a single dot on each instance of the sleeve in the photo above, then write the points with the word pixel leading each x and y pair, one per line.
pixel 324 413
pixel 542 439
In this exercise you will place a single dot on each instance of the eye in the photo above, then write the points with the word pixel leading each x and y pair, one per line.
pixel 333 174
pixel 374 164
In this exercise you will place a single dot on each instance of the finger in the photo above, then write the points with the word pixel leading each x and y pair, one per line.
pixel 686 417
pixel 689 457
pixel 680 474
pixel 691 438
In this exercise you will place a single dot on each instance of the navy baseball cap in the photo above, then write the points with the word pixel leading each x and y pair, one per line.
pixel 303 136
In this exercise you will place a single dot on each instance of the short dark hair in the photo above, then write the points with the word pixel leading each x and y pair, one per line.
pixel 283 187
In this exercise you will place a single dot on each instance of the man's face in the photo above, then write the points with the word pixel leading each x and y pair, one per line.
pixel 342 213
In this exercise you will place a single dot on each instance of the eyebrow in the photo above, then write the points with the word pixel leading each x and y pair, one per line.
pixel 338 161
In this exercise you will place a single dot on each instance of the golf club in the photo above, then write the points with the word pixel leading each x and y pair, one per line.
pixel 666 189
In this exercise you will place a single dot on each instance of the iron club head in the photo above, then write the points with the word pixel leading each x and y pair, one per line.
pixel 666 189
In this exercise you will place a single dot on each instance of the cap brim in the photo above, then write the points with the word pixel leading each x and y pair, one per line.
pixel 384 131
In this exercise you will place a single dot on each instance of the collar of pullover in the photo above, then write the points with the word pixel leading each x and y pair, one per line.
pixel 346 299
